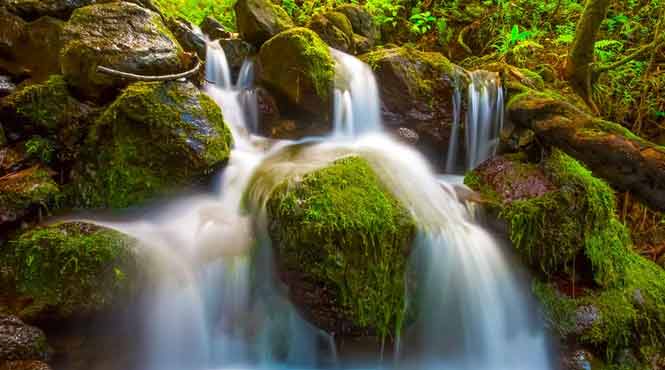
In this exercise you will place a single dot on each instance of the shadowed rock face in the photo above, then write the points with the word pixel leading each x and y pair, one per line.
pixel 122 36
pixel 21 342
pixel 259 20
pixel 31 9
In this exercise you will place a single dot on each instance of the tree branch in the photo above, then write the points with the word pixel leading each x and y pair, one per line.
pixel 137 77
pixel 636 54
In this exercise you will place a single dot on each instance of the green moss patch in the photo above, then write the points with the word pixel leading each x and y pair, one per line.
pixel 339 226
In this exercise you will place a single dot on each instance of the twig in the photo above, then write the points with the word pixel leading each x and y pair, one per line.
pixel 137 77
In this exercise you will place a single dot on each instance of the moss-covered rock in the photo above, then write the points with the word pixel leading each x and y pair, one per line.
pixel 335 29
pixel 69 270
pixel 49 110
pixel 24 191
pixel 155 138
pixel 562 221
pixel 118 35
pixel 297 66
pixel 21 342
pixel 34 9
pixel 259 20
pixel 214 29
pixel 362 22
pixel 342 243
pixel 416 90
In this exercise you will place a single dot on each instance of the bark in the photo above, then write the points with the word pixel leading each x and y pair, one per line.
pixel 611 151
pixel 580 57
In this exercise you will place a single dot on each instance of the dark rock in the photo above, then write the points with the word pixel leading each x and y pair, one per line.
pixel 335 29
pixel 12 34
pixel 155 138
pixel 6 86
pixel 23 191
pixel 416 90
pixel 31 10
pixel 237 51
pixel 297 67
pixel 362 22
pixel 13 158
pixel 189 39
pixel 259 20
pixel 513 180
pixel 268 111
pixel 54 288
pixel 214 29
pixel 19 341
pixel 122 36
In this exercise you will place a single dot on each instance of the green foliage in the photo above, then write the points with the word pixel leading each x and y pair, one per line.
pixel 421 23
pixel 385 11
pixel 40 148
pixel 196 10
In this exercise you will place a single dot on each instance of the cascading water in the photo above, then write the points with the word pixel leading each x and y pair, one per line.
pixel 484 120
pixel 216 305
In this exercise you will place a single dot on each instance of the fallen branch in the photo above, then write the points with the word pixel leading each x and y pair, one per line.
pixel 137 77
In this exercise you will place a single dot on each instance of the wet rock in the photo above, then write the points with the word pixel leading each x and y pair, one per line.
pixel 335 29
pixel 214 29
pixel 236 51
pixel 24 365
pixel 362 43
pixel 23 191
pixel 407 135
pixel 14 158
pixel 190 40
pixel 341 244
pixel 118 35
pixel 585 318
pixel 19 341
pixel 268 111
pixel 259 20
pixel 155 138
pixel 578 359
pixel 31 10
pixel 54 288
pixel 12 34
pixel 297 67
pixel 362 22
pixel 513 180
pixel 416 90
pixel 6 86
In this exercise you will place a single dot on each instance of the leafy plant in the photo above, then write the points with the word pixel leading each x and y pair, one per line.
pixel 40 148
pixel 422 23
pixel 385 11
pixel 607 49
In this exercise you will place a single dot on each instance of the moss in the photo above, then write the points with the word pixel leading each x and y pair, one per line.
pixel 21 190
pixel 153 138
pixel 340 21
pixel 346 230
pixel 71 268
pixel 294 55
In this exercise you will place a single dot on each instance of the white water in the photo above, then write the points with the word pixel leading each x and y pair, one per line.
pixel 215 305
pixel 484 120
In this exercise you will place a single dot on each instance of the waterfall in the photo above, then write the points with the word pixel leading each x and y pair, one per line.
pixel 218 304
pixel 484 120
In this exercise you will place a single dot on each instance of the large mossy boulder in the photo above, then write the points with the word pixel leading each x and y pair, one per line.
pixel 562 221
pixel 366 33
pixel 25 191
pixel 21 342
pixel 155 138
pixel 335 29
pixel 416 90
pixel 342 241
pixel 299 70
pixel 69 270
pixel 259 20
pixel 121 36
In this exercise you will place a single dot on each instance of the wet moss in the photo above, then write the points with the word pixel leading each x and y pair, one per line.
pixel 71 268
pixel 31 187
pixel 344 229
pixel 154 138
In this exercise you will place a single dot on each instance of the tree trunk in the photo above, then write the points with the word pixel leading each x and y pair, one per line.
pixel 611 151
pixel 580 57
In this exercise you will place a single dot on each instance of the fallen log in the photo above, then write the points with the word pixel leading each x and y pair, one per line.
pixel 611 151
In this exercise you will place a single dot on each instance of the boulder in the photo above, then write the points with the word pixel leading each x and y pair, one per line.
pixel 236 51
pixel 335 29
pixel 259 20
pixel 190 40
pixel 362 22
pixel 118 35
pixel 341 242
pixel 157 137
pixel 298 69
pixel 21 342
pixel 71 270
pixel 31 9
pixel 24 191
pixel 214 29
pixel 416 90
pixel 12 34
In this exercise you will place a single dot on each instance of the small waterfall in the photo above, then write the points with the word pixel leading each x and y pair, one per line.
pixel 484 120
pixel 356 101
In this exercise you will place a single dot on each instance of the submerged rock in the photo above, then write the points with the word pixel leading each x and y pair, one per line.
pixel 155 138
pixel 335 29
pixel 259 20
pixel 341 242
pixel 297 66
pixel 416 90
pixel 71 269
pixel 21 342
pixel 118 35
pixel 23 191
